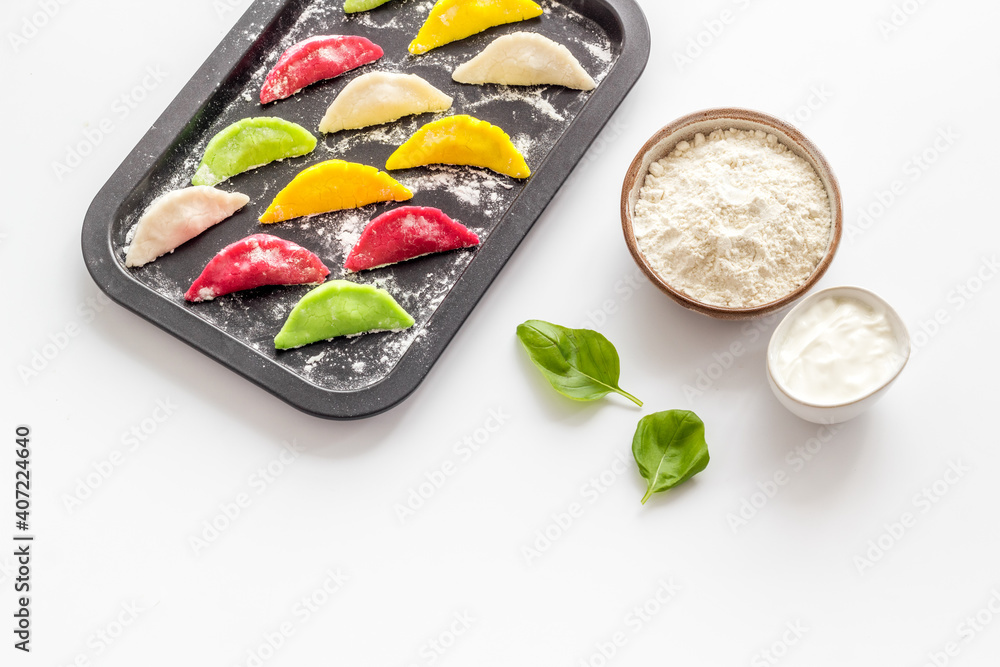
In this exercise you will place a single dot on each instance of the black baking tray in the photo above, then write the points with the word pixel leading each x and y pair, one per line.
pixel 366 375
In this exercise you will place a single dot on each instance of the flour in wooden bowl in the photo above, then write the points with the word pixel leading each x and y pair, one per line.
pixel 734 219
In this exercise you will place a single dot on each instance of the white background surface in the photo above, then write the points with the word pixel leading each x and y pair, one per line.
pixel 795 562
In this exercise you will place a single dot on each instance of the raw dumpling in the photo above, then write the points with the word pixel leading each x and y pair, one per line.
pixel 256 261
pixel 341 308
pixel 461 140
pixel 251 143
pixel 452 20
pixel 382 97
pixel 406 233
pixel 177 217
pixel 316 59
pixel 333 185
pixel 525 59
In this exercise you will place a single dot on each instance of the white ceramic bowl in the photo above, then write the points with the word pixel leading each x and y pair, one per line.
pixel 841 412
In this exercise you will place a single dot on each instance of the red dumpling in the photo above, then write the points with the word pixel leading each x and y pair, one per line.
pixel 315 59
pixel 407 232
pixel 255 261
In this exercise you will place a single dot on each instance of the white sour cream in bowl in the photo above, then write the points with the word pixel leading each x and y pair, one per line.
pixel 836 354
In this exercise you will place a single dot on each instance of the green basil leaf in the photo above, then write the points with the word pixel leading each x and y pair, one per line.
pixel 670 449
pixel 581 364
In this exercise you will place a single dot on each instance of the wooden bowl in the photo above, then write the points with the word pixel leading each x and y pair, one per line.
pixel 684 129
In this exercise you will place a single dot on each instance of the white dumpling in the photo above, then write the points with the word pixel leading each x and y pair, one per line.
pixel 177 217
pixel 525 59
pixel 382 97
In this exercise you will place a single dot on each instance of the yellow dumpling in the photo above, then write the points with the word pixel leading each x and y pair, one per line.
pixel 452 20
pixel 333 185
pixel 461 140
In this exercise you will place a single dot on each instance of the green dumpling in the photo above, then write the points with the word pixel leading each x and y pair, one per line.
pixel 251 143
pixel 341 308
pixel 351 6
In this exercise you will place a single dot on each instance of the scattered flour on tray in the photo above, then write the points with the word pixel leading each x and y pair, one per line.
pixel 465 184
pixel 311 362
pixel 392 134
pixel 349 228
pixel 600 51
pixel 533 96
pixel 524 143
pixel 368 19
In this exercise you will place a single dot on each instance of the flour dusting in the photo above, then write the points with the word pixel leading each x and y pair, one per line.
pixel 733 219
